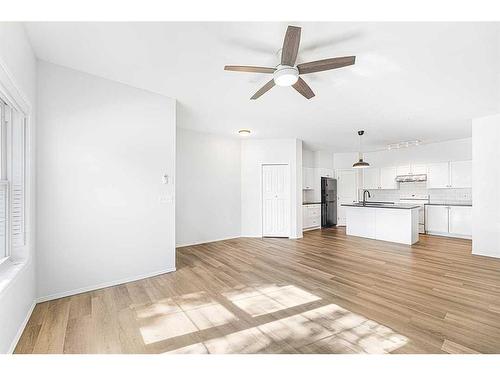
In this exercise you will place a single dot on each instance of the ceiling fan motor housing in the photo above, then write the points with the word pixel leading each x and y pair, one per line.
pixel 286 75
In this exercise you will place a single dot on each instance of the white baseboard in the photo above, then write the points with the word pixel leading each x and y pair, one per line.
pixel 102 285
pixel 21 329
pixel 203 242
pixel 310 228
pixel 442 234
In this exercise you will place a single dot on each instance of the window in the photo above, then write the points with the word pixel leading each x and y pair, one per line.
pixel 12 179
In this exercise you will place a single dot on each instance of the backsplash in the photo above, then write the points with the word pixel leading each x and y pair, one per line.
pixel 409 188
pixel 310 196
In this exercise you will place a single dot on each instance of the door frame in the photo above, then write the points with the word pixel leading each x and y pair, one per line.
pixel 288 171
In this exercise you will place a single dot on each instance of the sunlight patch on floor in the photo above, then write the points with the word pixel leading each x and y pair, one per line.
pixel 180 315
pixel 328 329
pixel 164 327
pixel 269 298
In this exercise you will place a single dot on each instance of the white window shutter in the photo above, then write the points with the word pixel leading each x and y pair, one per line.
pixel 17 189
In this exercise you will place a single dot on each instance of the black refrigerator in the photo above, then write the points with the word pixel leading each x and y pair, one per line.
pixel 328 202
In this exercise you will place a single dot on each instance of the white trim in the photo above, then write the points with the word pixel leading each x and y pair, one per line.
pixel 12 91
pixel 311 228
pixel 20 331
pixel 102 285
pixel 451 235
pixel 203 242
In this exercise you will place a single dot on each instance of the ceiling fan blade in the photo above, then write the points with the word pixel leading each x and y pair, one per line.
pixel 326 64
pixel 249 69
pixel 268 86
pixel 303 88
pixel 290 46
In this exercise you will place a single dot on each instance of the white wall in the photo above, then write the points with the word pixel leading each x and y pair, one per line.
pixel 460 149
pixel 323 159
pixel 308 158
pixel 17 281
pixel 254 153
pixel 486 186
pixel 103 214
pixel 208 187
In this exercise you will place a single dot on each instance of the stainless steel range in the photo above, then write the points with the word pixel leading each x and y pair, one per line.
pixel 420 200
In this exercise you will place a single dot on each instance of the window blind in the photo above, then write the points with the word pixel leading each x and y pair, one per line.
pixel 17 185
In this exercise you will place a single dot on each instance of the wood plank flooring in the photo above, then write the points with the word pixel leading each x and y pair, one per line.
pixel 325 293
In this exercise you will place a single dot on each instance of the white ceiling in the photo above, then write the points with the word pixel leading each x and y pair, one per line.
pixel 411 80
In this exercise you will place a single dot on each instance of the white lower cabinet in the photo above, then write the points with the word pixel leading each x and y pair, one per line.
pixel 311 216
pixel 453 221
pixel 460 220
pixel 436 220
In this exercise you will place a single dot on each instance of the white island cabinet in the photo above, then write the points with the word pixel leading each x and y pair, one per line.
pixel 394 223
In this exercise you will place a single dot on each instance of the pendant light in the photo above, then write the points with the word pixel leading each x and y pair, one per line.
pixel 360 163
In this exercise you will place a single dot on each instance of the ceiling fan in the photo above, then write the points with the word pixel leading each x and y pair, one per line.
pixel 286 73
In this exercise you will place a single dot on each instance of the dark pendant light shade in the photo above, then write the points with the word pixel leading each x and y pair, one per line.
pixel 360 163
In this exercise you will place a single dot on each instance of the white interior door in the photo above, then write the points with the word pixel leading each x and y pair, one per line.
pixel 347 191
pixel 275 201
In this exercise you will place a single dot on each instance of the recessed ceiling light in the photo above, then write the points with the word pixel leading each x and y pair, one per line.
pixel 244 132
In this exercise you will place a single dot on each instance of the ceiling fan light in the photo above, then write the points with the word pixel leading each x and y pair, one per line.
pixel 286 76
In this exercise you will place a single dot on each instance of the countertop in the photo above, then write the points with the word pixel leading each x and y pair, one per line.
pixel 307 203
pixel 392 206
pixel 449 203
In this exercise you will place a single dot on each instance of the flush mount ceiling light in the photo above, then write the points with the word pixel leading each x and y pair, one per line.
pixel 404 144
pixel 360 163
pixel 244 132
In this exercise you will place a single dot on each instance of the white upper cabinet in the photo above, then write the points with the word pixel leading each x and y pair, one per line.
pixel 326 172
pixel 371 178
pixel 380 178
pixel 388 178
pixel 455 174
pixel 403 170
pixel 307 178
pixel 461 174
pixel 438 176
pixel 418 169
pixel 409 169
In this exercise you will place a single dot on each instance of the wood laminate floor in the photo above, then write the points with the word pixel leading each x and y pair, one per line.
pixel 325 293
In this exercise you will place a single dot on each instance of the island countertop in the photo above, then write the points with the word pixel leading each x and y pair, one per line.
pixel 374 205
pixel 449 203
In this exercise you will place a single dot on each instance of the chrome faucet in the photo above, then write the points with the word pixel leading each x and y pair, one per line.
pixel 364 196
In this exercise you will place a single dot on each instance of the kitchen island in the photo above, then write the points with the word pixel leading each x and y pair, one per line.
pixel 386 222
